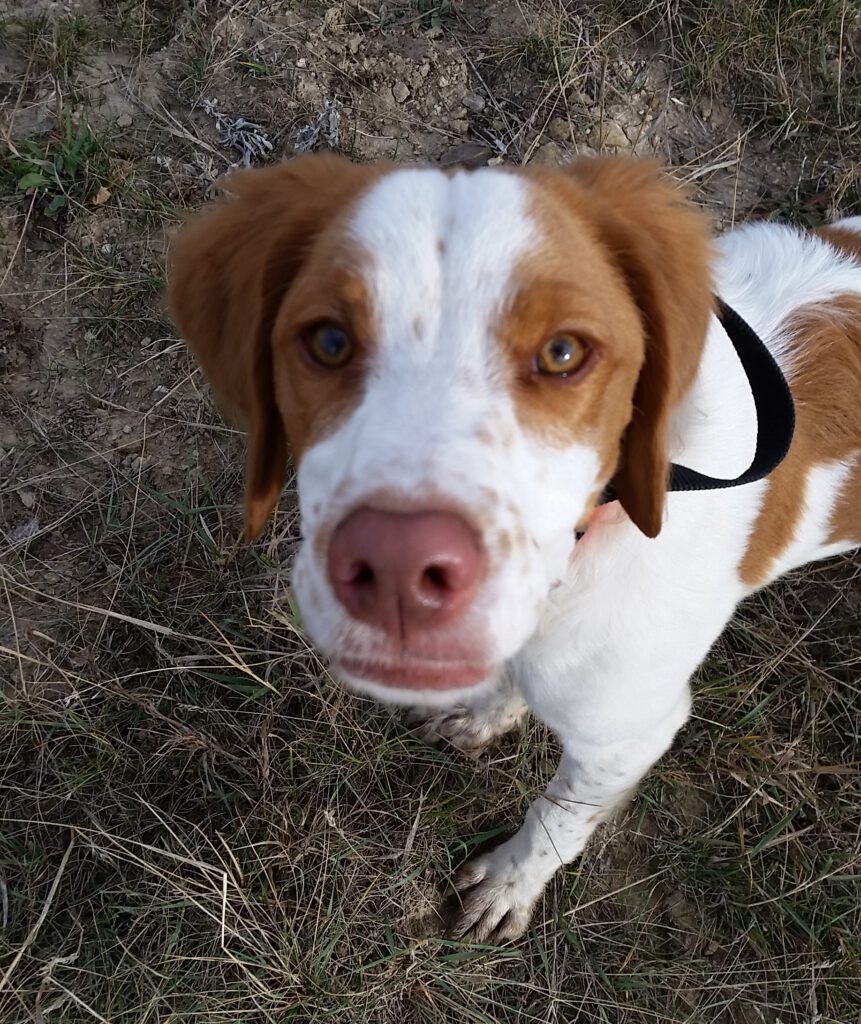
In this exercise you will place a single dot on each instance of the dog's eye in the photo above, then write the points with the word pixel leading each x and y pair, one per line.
pixel 561 356
pixel 329 346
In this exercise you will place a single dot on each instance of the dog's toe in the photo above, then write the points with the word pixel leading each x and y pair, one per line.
pixel 485 905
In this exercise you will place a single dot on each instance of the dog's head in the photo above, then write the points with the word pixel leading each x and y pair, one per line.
pixel 459 363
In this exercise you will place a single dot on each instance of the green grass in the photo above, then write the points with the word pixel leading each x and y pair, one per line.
pixel 63 173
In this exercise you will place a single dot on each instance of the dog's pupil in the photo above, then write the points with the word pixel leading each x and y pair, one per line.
pixel 333 343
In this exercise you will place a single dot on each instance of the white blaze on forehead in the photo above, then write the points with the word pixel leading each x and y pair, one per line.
pixel 443 250
pixel 437 419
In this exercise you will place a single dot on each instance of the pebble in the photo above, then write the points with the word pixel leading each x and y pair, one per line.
pixel 550 154
pixel 472 101
pixel 401 92
pixel 559 129
pixel 609 135
pixel 124 121
pixel 467 154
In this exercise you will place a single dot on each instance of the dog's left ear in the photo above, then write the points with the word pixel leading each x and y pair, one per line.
pixel 230 268
pixel 661 244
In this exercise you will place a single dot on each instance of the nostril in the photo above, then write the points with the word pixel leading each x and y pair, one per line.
pixel 436 578
pixel 363 575
pixel 354 573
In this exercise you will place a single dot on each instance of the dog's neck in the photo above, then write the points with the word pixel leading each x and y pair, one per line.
pixel 713 429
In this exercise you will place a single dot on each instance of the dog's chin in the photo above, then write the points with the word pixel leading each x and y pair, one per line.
pixel 430 684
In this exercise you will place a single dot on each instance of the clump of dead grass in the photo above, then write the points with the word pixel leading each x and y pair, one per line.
pixel 794 64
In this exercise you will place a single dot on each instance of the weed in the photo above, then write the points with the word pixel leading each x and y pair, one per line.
pixel 65 172
pixel 58 45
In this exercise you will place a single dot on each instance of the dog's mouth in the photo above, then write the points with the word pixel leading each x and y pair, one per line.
pixel 416 674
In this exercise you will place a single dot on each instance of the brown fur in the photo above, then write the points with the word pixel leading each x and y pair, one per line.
pixel 230 270
pixel 626 267
pixel 843 239
pixel 826 385
pixel 625 263
pixel 654 244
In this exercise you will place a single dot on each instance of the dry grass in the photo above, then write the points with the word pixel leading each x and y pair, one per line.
pixel 196 825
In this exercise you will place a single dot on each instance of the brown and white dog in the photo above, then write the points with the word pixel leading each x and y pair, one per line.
pixel 459 363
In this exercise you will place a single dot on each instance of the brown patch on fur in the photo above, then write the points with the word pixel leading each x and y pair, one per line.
pixel 845 525
pixel 314 400
pixel 625 265
pixel 845 240
pixel 230 271
pixel 826 383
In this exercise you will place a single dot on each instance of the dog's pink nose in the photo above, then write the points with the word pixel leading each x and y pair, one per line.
pixel 405 572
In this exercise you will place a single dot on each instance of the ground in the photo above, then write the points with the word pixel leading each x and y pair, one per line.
pixel 196 824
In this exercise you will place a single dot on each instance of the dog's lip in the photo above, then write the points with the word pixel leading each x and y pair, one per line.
pixel 417 674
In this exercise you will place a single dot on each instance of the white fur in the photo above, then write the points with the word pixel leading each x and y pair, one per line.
pixel 601 645
pixel 430 397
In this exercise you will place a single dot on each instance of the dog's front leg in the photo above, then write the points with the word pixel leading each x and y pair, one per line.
pixel 493 895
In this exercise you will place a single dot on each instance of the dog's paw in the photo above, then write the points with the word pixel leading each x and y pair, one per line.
pixel 490 900
pixel 468 729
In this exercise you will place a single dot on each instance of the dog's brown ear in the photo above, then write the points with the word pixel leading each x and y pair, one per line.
pixel 660 243
pixel 230 268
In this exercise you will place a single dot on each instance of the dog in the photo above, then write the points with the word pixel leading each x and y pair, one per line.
pixel 548 433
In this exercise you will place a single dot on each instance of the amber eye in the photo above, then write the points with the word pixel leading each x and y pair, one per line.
pixel 329 346
pixel 561 355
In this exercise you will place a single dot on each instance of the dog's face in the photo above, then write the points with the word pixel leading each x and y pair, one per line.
pixel 460 363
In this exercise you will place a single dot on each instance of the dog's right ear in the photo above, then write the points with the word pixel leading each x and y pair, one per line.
pixel 230 267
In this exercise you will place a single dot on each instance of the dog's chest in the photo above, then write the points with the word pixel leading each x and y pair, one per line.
pixel 631 607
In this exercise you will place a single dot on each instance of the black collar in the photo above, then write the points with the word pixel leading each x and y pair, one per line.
pixel 775 412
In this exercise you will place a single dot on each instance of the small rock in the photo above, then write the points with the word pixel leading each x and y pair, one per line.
pixel 609 135
pixel 459 125
pixel 401 92
pixel 583 149
pixel 28 497
pixel 354 42
pixel 127 429
pixel 472 101
pixel 559 129
pixel 467 154
pixel 550 154
pixel 124 121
